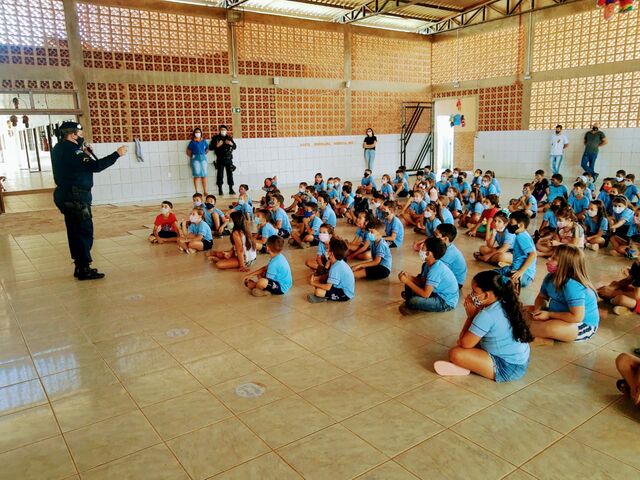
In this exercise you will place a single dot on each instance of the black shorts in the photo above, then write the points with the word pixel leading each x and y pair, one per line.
pixel 404 193
pixel 283 233
pixel 273 287
pixel 264 248
pixel 207 244
pixel 391 244
pixel 336 295
pixel 622 232
pixel 377 272
pixel 314 242
pixel 167 234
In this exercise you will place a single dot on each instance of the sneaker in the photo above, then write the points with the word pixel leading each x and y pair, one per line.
pixel 305 245
pixel 620 310
pixel 503 264
pixel 405 310
pixel 256 292
pixel 315 299
pixel 89 274
pixel 593 246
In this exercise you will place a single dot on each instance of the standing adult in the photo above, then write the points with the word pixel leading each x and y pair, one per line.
pixel 73 167
pixel 369 146
pixel 593 140
pixel 559 143
pixel 197 152
pixel 223 146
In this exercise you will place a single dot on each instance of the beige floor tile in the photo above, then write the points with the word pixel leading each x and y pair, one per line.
pixel 272 351
pixel 197 348
pixel 444 402
pixel 582 383
pixel 125 345
pixel 66 358
pixel 359 324
pixel 501 431
pixel 142 363
pixel 266 467
pixel 602 361
pixel 71 382
pixel 175 331
pixel 388 471
pixel 305 372
pixel 218 447
pixel 448 455
pixel 220 368
pixel 273 390
pixel 17 371
pixel 21 396
pixel 352 355
pixel 27 426
pixel 246 334
pixel 612 433
pixel 396 375
pixel 285 421
pixel 344 396
pixel 316 338
pixel 186 413
pixel 392 427
pixel 157 463
pixel 571 460
pixel 334 453
pixel 110 439
pixel 161 385
pixel 395 341
pixel 45 460
pixel 290 322
pixel 76 411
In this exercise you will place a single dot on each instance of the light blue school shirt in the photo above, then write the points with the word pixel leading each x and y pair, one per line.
pixel 446 216
pixel 550 218
pixel 381 249
pixel 522 247
pixel 490 190
pixel 496 335
pixel 318 187
pixel 329 216
pixel 534 203
pixel 505 237
pixel 626 215
pixel 443 281
pixel 403 181
pixel 593 227
pixel 579 204
pixel 315 225
pixel 347 200
pixel 557 191
pixel 631 192
pixel 475 207
pixel 201 228
pixel 572 294
pixel 454 205
pixel 495 183
pixel 442 187
pixel 462 187
pixel 281 215
pixel 418 207
pixel 267 230
pixel 386 190
pixel 279 271
pixel 341 276
pixel 605 198
pixel 431 225
pixel 454 259
pixel 395 226
pixel 322 249
pixel 368 181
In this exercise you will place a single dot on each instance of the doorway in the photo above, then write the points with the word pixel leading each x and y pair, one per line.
pixel 444 143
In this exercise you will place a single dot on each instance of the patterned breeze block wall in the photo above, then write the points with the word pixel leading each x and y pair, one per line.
pixel 487 55
pixel 612 100
pixel 121 112
pixel 36 84
pixel 284 51
pixel 382 111
pixel 271 112
pixel 585 39
pixel 390 59
pixel 32 32
pixel 124 38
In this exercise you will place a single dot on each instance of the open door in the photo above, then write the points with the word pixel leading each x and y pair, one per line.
pixel 444 143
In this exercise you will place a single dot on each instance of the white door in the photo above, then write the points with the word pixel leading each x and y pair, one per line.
pixel 444 143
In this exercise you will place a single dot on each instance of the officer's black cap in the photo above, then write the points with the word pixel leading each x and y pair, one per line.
pixel 70 126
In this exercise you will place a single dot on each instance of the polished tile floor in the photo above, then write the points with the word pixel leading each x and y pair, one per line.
pixel 168 369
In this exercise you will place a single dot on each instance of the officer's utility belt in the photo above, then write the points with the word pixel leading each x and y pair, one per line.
pixel 80 210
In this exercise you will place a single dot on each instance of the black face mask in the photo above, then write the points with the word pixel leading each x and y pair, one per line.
pixel 209 206
pixel 512 228
pixel 366 174
pixel 80 141
pixel 460 180
pixel 595 129
pixel 555 208
pixel 386 214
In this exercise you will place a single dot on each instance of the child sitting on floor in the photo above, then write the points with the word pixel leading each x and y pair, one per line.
pixel 216 219
pixel 386 189
pixel 379 266
pixel 394 230
pixel 307 232
pixel 279 215
pixel 266 229
pixel 629 367
pixel 569 232
pixel 455 205
pixel 360 246
pixel 499 246
pixel 453 257
pixel 627 246
pixel 491 206
pixel 243 247
pixel 624 294
pixel 320 263
pixel 527 202
pixel 197 237
pixel 338 285
pixel 472 211
pixel 596 225
pixel 275 277
pixel 413 211
pixel 368 183
pixel 523 268
pixel 165 226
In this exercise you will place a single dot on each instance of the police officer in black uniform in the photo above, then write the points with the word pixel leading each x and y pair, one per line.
pixel 73 167
pixel 223 146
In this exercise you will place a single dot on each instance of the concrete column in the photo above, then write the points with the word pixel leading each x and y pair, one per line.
pixel 348 39
pixel 232 42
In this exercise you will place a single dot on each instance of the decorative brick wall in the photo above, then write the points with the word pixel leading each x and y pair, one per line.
pixel 382 111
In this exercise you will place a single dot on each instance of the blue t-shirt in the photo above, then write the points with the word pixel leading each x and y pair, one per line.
pixel 368 181
pixel 447 217
pixel 401 180
pixel 631 192
pixel 490 190
pixel 382 250
pixel 198 148
pixel 329 216
pixel 418 207
pixel 386 190
pixel 605 198
pixel 318 187
pixel 443 281
pixel 454 205
pixel 496 184
pixel 431 225
pixel 505 237
pixel 573 294
pixel 267 230
pixel 494 328
pixel 315 225
pixel 201 228
pixel 279 271
pixel 522 247
pixel 579 205
pixel 550 218
pixel 322 249
pixel 533 203
pixel 244 208
pixel 475 207
pixel 395 226
pixel 281 216
pixel 454 259
pixel 364 235
pixel 341 276
pixel 557 191
pixel 333 193
pixel 347 201
pixel 626 215
pixel 592 227
pixel 442 187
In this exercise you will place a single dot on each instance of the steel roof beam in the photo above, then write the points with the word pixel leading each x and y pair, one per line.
pixel 320 3
pixel 229 4
pixel 374 8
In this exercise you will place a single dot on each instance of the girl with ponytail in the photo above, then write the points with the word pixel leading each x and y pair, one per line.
pixel 494 340
pixel 243 246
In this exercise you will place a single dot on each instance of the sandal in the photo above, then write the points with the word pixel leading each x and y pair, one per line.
pixel 448 369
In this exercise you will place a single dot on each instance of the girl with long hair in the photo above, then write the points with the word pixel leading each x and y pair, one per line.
pixel 243 246
pixel 494 341
pixel 566 308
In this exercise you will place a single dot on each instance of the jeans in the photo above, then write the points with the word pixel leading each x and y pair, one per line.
pixel 369 157
pixel 434 303
pixel 556 162
pixel 588 163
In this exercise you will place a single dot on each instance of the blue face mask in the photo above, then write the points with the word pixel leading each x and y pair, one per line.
pixel 371 237
pixel 257 220
pixel 308 214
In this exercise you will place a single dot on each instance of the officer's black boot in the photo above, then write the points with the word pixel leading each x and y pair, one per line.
pixel 87 273
pixel 76 271
pixel 231 192
pixel 220 192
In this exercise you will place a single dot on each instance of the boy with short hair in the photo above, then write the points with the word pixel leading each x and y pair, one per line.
pixel 631 190
pixel 523 268
pixel 400 184
pixel 413 212
pixel 297 197
pixel 346 202
pixel 379 266
pixel 578 201
pixel 556 188
pixel 394 230
pixel 275 277
pixel 340 282
pixel 309 228
pixel 435 289
pixel 428 173
pixel 165 226
pixel 526 203
pixel 326 212
pixel 368 182
pixel 453 257
pixel 216 219
pixel 280 218
pixel 265 229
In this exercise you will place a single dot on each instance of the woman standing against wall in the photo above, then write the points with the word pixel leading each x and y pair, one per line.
pixel 369 146
pixel 197 151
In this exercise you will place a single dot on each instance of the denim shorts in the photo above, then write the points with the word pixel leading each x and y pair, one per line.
pixel 525 280
pixel 507 372
pixel 199 166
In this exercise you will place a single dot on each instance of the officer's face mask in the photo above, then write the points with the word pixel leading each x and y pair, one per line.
pixel 223 133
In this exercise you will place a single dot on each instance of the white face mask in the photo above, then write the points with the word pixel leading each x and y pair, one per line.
pixel 628 182
pixel 376 205
pixel 423 255
pixel 619 179
pixel 324 237
pixel 618 209
pixel 165 210
pixel 198 135
pixel 194 218
pixel 197 203
pixel 223 133
pixel 592 213
pixel 455 175
pixel 485 184
pixel 450 194
pixel 301 190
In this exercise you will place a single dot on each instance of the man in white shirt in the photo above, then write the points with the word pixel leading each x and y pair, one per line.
pixel 559 142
